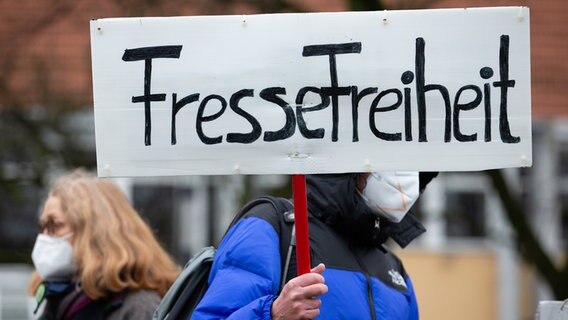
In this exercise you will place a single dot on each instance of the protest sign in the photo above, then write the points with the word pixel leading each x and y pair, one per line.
pixel 428 90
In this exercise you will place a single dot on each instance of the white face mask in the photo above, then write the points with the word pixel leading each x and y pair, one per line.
pixel 391 194
pixel 53 257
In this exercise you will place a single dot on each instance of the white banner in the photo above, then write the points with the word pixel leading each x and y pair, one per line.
pixel 428 90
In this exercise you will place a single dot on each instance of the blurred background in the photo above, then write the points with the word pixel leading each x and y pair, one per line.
pixel 497 241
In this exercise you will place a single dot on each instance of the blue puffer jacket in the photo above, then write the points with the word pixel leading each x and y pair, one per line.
pixel 365 280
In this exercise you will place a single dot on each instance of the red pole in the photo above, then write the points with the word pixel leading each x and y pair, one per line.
pixel 301 222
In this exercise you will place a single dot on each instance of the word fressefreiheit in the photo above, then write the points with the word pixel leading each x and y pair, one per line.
pixel 330 96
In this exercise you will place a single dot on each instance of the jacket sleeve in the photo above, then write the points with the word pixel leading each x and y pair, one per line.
pixel 245 275
pixel 412 303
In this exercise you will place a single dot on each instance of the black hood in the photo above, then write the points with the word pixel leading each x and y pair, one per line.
pixel 333 198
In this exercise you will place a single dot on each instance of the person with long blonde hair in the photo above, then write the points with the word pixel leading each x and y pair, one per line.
pixel 95 257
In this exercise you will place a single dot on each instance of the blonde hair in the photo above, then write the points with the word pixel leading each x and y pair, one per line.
pixel 114 248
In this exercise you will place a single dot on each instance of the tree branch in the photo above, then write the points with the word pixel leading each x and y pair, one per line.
pixel 531 249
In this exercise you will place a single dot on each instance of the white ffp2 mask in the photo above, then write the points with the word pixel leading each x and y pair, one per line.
pixel 391 194
pixel 53 258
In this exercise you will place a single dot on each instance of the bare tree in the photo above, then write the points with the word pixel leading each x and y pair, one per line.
pixel 529 246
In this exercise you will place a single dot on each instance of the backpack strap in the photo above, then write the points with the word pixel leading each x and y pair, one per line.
pixel 281 205
pixel 289 252
pixel 283 209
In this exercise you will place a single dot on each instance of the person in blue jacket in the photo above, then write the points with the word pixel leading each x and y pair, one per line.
pixel 354 275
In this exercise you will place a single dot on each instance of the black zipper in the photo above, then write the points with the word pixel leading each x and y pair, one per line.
pixel 370 299
pixel 370 296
